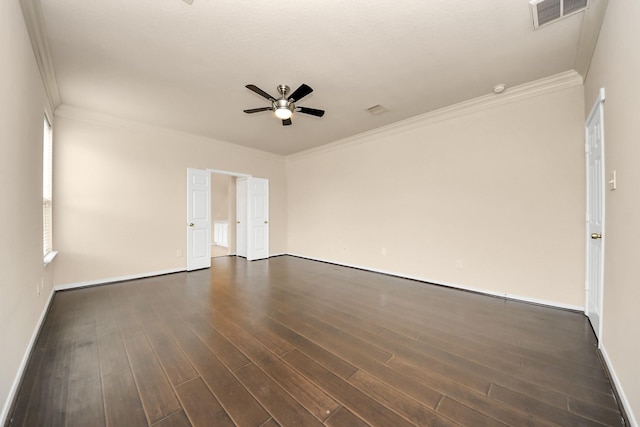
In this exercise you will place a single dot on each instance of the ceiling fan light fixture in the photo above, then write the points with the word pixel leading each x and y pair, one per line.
pixel 283 113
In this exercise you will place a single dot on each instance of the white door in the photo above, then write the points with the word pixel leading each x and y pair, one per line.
pixel 258 218
pixel 198 219
pixel 241 217
pixel 594 134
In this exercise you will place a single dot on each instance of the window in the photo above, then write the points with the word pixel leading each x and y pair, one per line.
pixel 47 192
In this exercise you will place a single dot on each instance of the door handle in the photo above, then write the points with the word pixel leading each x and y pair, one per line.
pixel 596 236
pixel 191 224
pixel 266 222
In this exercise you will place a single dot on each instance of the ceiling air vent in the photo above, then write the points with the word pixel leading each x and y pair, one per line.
pixel 544 12
pixel 377 109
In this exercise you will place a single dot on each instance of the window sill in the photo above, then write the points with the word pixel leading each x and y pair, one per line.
pixel 49 257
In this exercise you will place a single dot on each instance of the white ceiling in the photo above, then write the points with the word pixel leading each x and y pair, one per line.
pixel 185 67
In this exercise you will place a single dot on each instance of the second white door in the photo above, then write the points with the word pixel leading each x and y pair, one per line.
pixel 241 217
pixel 252 218
pixel 258 219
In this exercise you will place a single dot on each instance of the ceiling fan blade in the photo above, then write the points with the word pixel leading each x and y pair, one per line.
pixel 257 110
pixel 287 122
pixel 300 93
pixel 312 111
pixel 260 92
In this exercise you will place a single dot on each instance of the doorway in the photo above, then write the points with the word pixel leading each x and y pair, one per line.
pixel 239 227
pixel 223 215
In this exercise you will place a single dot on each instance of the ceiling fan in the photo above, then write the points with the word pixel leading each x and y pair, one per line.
pixel 285 106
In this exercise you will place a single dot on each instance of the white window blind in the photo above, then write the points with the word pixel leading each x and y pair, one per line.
pixel 47 188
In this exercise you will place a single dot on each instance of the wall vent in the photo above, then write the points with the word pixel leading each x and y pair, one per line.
pixel 544 12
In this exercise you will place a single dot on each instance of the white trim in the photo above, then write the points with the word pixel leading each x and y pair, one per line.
pixel 221 172
pixel 553 304
pixel 116 279
pixel 34 21
pixel 48 258
pixel 23 364
pixel 618 386
pixel 561 81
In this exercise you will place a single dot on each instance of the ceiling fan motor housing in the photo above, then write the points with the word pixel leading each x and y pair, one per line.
pixel 283 103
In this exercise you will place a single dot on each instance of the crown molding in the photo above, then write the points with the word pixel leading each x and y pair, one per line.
pixel 557 82
pixel 34 21
pixel 89 116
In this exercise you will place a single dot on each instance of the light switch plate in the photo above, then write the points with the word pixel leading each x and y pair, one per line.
pixel 613 181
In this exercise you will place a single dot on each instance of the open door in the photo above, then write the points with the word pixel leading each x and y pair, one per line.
pixel 241 216
pixel 594 135
pixel 252 218
pixel 258 218
pixel 198 219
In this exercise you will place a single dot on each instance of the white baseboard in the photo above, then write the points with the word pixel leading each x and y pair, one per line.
pixel 115 279
pixel 553 304
pixel 614 377
pixel 23 364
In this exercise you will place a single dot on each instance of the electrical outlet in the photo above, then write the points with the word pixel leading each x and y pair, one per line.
pixel 383 251
pixel 179 253
pixel 459 264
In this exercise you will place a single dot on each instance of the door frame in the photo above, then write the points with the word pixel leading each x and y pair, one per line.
pixel 596 109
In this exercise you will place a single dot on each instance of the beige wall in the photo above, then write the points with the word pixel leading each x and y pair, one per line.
pixel 22 104
pixel 616 67
pixel 119 186
pixel 220 197
pixel 500 189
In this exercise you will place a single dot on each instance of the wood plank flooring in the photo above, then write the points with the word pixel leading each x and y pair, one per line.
pixel 292 342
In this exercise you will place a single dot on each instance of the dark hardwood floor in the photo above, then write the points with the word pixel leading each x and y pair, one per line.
pixel 292 342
